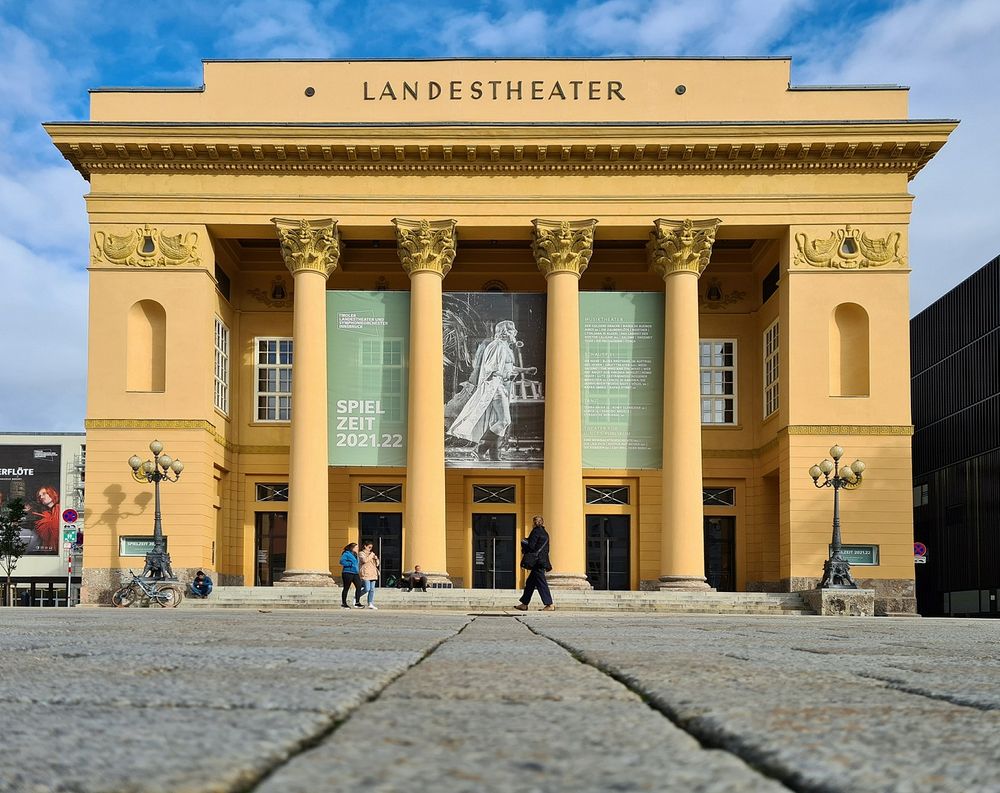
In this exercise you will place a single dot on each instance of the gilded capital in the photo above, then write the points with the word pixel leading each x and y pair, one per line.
pixel 563 246
pixel 425 245
pixel 309 245
pixel 677 246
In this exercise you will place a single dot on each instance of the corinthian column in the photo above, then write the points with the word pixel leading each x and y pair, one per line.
pixel 311 249
pixel 427 250
pixel 562 250
pixel 679 251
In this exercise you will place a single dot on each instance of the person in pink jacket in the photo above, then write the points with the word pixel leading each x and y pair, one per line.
pixel 369 571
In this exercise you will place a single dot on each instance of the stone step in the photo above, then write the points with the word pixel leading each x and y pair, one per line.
pixel 730 603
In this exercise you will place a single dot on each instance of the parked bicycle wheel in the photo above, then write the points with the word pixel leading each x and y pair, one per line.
pixel 169 597
pixel 125 596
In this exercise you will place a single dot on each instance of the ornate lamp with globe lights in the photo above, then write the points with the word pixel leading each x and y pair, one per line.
pixel 157 470
pixel 836 569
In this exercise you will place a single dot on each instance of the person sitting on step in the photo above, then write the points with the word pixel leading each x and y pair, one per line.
pixel 416 579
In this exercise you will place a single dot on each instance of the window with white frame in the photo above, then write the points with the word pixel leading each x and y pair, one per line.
pixel 771 372
pixel 274 379
pixel 221 366
pixel 381 372
pixel 718 381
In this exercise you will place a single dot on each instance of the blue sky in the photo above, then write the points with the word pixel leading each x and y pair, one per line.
pixel 52 51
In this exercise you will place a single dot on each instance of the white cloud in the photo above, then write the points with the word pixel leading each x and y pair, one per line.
pixel 290 29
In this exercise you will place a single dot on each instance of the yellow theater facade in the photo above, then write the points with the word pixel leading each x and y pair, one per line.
pixel 422 301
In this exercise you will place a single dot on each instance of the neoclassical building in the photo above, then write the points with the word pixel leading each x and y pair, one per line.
pixel 419 302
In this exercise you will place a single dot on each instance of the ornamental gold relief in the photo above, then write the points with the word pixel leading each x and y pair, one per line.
pixel 681 245
pixel 849 248
pixel 309 245
pixel 145 246
pixel 563 246
pixel 425 245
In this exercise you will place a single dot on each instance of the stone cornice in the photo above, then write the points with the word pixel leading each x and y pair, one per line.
pixel 786 148
pixel 425 245
pixel 309 245
pixel 563 246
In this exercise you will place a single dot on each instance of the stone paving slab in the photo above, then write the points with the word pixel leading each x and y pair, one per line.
pixel 443 724
pixel 818 720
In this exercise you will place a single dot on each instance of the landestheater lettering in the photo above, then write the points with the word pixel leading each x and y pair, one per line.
pixel 496 90
pixel 423 301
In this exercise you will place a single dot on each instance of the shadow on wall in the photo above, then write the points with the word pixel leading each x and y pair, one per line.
pixel 114 497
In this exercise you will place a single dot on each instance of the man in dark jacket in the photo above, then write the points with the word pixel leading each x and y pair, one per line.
pixel 536 561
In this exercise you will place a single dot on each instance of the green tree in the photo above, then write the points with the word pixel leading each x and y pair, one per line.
pixel 12 547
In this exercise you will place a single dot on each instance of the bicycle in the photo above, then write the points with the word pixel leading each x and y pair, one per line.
pixel 157 593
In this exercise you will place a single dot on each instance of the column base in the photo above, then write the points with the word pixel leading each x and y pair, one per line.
pixel 684 583
pixel 306 578
pixel 438 581
pixel 567 581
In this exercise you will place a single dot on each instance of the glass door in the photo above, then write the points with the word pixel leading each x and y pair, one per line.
pixel 609 563
pixel 385 530
pixel 494 557
pixel 270 541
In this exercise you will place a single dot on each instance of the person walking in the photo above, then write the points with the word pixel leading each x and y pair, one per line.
pixel 349 575
pixel 369 571
pixel 535 559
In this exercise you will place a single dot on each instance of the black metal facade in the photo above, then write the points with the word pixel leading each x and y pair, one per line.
pixel 955 371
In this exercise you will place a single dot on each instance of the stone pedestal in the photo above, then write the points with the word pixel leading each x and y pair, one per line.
pixel 840 602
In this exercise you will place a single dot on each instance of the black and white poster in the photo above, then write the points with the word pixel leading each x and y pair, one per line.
pixel 31 473
pixel 494 378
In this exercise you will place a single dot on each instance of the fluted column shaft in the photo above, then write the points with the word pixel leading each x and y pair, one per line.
pixel 426 250
pixel 311 250
pixel 563 250
pixel 679 251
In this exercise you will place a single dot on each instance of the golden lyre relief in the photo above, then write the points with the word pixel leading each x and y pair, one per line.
pixel 425 245
pixel 309 245
pixel 850 248
pixel 563 246
pixel 145 247
pixel 681 245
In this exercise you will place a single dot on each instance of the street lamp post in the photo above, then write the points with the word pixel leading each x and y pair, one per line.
pixel 156 470
pixel 836 569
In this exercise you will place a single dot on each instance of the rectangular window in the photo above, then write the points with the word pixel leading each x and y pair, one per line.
pixel 275 491
pixel 381 372
pixel 381 494
pixel 921 496
pixel 221 366
pixel 604 494
pixel 493 494
pixel 771 369
pixel 718 381
pixel 274 379
pixel 718 496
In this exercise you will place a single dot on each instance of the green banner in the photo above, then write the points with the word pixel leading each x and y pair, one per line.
pixel 621 378
pixel 367 353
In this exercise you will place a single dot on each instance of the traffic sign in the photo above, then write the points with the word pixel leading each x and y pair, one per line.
pixel 70 515
pixel 919 549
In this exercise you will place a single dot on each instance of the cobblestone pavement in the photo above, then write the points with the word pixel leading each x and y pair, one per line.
pixel 144 700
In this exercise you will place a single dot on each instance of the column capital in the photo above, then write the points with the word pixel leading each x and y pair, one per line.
pixel 677 246
pixel 563 246
pixel 309 245
pixel 425 245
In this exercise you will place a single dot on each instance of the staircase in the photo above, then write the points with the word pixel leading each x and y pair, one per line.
pixel 466 600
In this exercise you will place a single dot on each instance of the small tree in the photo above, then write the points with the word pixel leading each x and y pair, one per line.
pixel 12 547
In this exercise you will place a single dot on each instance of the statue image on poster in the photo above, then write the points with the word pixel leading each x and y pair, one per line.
pixel 31 473
pixel 494 358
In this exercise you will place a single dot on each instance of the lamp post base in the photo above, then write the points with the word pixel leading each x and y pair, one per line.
pixel 158 566
pixel 837 575
pixel 306 578
pixel 684 583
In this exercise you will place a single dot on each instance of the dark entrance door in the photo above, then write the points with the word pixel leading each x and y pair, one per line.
pixel 385 530
pixel 720 553
pixel 270 540
pixel 494 563
pixel 608 553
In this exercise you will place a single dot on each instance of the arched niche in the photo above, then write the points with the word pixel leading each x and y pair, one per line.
pixel 146 347
pixel 850 358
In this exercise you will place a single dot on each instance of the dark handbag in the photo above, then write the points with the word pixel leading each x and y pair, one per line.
pixel 529 561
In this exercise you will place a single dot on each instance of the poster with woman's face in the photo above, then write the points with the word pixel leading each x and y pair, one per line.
pixel 31 473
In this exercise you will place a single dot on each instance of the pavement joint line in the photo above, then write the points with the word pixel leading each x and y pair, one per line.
pixel 749 755
pixel 897 685
pixel 320 736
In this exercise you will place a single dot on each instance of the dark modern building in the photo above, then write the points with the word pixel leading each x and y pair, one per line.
pixel 955 370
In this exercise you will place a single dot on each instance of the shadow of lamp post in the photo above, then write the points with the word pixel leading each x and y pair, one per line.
pixel 836 569
pixel 156 470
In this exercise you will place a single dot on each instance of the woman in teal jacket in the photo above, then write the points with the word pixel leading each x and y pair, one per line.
pixel 349 575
